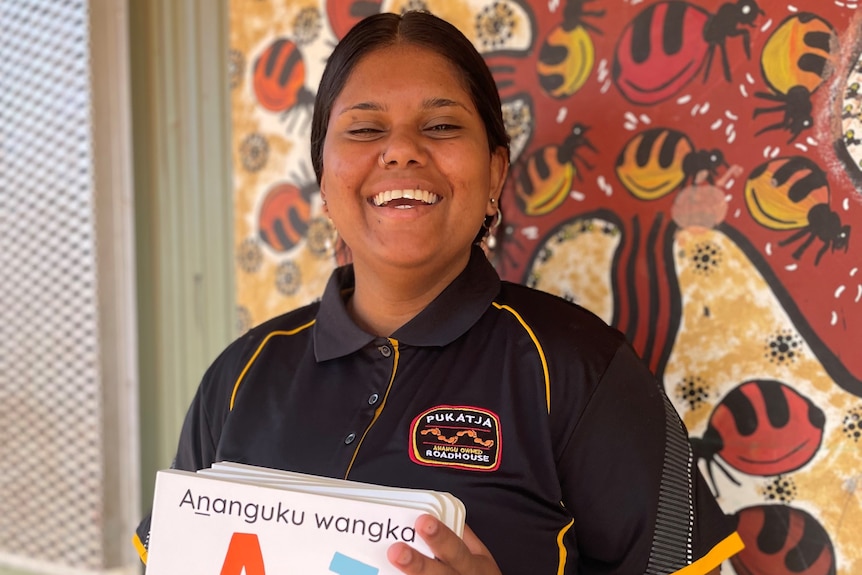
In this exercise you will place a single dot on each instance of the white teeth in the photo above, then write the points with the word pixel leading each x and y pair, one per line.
pixel 423 196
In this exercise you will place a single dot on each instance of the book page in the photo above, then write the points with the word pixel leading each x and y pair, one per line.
pixel 449 509
pixel 208 525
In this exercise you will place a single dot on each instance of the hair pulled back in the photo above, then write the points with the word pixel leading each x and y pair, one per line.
pixel 418 29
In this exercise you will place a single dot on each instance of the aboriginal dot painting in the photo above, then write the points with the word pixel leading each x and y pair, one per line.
pixel 691 171
pixel 52 482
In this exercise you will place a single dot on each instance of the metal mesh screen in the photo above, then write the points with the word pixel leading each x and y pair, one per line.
pixel 51 508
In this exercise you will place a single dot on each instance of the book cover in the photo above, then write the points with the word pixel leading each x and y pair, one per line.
pixel 242 520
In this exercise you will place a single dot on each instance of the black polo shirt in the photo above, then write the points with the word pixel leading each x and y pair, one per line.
pixel 539 417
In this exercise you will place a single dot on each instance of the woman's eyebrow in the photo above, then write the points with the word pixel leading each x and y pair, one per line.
pixel 442 103
pixel 367 106
pixel 427 104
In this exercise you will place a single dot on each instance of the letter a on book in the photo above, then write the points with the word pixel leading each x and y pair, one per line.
pixel 243 552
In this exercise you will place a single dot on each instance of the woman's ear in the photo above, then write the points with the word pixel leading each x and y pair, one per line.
pixel 499 169
pixel 323 194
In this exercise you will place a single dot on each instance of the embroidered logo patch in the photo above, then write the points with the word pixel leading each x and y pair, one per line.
pixel 456 436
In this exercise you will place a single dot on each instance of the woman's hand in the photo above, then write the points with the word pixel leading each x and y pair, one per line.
pixel 455 556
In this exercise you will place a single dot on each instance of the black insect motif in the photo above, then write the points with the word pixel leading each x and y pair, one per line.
pixel 668 43
pixel 792 193
pixel 795 61
pixel 547 176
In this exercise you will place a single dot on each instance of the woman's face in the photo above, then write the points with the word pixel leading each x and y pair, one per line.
pixel 424 207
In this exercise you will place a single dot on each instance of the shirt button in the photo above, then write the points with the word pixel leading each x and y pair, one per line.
pixel 385 350
pixel 373 399
pixel 349 439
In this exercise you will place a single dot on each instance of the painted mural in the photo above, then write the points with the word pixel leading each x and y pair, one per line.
pixel 691 171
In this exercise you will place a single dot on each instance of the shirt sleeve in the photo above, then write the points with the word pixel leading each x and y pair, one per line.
pixel 628 477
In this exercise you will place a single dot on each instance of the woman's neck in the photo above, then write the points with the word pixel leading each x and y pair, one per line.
pixel 384 300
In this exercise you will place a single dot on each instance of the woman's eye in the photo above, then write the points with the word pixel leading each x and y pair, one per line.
pixel 443 128
pixel 364 134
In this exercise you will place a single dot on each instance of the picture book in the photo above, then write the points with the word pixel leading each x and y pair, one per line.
pixel 236 519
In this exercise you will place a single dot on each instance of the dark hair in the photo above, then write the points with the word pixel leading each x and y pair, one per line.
pixel 420 29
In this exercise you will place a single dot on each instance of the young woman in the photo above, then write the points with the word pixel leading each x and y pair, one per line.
pixel 564 448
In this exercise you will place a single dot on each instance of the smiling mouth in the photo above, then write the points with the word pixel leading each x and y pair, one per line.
pixel 422 196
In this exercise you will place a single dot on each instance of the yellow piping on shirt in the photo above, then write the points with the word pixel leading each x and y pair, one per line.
pixel 538 348
pixel 564 553
pixel 379 410
pixel 140 548
pixel 257 352
pixel 727 547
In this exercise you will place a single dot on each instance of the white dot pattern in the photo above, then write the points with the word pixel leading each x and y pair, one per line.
pixel 51 478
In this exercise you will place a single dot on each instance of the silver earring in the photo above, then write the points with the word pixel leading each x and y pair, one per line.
pixel 491 238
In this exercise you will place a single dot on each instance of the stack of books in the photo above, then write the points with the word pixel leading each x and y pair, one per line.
pixel 235 519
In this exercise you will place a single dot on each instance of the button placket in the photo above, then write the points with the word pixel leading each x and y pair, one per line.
pixel 378 386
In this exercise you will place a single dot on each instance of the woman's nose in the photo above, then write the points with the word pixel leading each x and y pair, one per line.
pixel 402 148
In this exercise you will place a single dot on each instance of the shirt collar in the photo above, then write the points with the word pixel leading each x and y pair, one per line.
pixel 450 315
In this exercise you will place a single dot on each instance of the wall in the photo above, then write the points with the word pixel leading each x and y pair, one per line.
pixel 690 171
pixel 183 213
